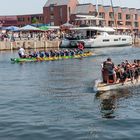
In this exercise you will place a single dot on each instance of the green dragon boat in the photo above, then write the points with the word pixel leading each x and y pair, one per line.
pixel 85 54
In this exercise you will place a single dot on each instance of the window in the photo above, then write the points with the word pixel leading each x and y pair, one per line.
pixel 61 12
pixel 119 16
pixel 106 40
pixel 111 23
pixel 28 19
pixel 128 23
pixel 116 40
pixel 128 16
pixel 52 17
pixel 136 24
pixel 136 17
pixel 102 15
pixel 21 19
pixel 111 15
pixel 52 23
pixel 123 39
pixel 51 8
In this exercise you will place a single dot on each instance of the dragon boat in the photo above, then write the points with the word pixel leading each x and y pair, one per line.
pixel 85 54
pixel 103 87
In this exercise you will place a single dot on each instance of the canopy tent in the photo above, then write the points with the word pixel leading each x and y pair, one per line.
pixel 44 28
pixel 11 28
pixel 67 24
pixel 53 27
pixel 29 28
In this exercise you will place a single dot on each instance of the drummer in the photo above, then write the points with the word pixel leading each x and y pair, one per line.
pixel 109 74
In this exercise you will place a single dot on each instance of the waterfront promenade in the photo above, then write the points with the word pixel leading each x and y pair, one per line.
pixel 29 44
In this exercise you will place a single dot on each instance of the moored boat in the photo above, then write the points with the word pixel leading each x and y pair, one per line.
pixel 85 54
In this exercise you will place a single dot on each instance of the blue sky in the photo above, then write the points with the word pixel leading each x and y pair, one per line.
pixel 16 7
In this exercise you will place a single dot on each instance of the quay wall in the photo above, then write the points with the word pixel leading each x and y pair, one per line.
pixel 29 44
pixel 136 41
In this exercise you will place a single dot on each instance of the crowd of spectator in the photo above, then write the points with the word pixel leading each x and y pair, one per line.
pixel 16 36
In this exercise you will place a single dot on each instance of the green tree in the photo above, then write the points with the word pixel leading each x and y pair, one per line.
pixel 35 20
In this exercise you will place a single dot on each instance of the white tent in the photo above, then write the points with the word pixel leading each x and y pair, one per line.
pixel 29 28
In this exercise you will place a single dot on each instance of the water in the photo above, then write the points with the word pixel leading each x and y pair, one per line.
pixel 55 100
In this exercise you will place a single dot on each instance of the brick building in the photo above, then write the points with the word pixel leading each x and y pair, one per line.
pixel 58 12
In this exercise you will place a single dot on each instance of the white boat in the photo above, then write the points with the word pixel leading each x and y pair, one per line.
pixel 96 37
pixel 102 87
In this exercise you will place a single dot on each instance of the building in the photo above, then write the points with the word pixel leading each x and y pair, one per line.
pixel 58 12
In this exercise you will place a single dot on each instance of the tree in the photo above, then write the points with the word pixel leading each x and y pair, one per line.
pixel 35 20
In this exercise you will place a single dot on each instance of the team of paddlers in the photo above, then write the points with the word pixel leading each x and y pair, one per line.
pixel 51 53
pixel 121 73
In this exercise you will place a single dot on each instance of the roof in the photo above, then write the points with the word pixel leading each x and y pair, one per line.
pixel 116 9
pixel 101 29
pixel 87 17
pixel 56 2
pixel 107 8
pixel 84 8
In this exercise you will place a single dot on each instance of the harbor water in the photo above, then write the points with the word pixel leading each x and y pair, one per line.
pixel 55 100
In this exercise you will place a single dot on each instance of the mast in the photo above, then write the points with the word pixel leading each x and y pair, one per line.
pixel 97 10
pixel 114 14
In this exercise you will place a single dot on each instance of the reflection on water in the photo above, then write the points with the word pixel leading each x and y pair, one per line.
pixel 109 102
pixel 107 108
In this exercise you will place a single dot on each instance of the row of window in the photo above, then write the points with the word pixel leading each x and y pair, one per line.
pixel 127 23
pixel 107 40
pixel 22 19
pixel 111 15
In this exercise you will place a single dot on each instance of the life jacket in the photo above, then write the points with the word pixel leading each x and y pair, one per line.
pixel 80 46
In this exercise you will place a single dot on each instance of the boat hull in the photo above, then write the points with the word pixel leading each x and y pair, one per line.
pixel 102 87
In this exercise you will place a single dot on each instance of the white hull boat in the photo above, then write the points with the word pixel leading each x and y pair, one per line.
pixel 103 39
pixel 102 87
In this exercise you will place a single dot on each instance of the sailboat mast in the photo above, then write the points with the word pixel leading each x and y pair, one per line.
pixel 97 10
pixel 114 14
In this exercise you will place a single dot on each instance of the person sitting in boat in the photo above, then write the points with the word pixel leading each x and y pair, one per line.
pixel 21 52
pixel 30 54
pixel 130 70
pixel 67 52
pixel 72 53
pixel 123 74
pixel 52 53
pixel 76 51
pixel 136 66
pixel 119 71
pixel 47 54
pixel 57 53
pixel 41 54
pixel 62 53
pixel 108 71
pixel 35 55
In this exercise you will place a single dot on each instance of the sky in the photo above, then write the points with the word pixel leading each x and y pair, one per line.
pixel 19 7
